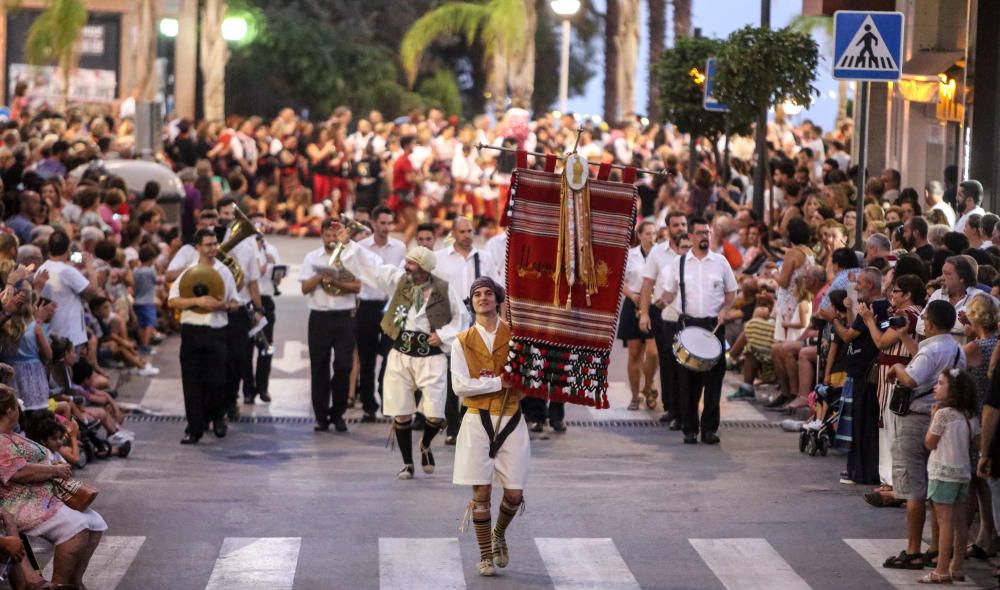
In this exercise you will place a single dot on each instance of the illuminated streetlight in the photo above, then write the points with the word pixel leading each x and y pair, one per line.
pixel 169 27
pixel 565 9
pixel 234 28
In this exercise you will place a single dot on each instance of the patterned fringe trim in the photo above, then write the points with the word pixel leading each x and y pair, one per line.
pixel 560 373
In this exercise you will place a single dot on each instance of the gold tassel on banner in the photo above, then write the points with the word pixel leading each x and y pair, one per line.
pixel 563 235
pixel 575 252
pixel 584 236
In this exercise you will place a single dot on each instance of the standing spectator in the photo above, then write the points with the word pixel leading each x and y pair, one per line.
pixel 958 285
pixel 970 195
pixel 67 287
pixel 934 195
pixel 146 281
pixel 191 205
pixel 22 223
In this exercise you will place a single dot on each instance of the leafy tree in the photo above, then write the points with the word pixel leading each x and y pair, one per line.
pixel 53 37
pixel 759 68
pixel 808 24
pixel 441 91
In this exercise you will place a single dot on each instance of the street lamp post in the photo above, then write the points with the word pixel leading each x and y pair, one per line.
pixel 565 9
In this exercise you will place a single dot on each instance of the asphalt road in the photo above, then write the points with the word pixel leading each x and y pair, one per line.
pixel 617 502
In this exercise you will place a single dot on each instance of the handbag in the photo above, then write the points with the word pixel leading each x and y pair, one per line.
pixel 902 396
pixel 74 493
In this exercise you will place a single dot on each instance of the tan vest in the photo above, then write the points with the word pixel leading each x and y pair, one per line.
pixel 478 358
pixel 438 306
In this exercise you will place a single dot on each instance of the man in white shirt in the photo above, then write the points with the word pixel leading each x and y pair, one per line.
pixel 203 344
pixel 460 264
pixel 370 342
pixel 970 195
pixel 267 258
pixel 704 283
pixel 332 297
pixel 934 195
pixel 187 254
pixel 958 287
pixel 239 368
pixel 67 287
pixel 664 327
pixel 424 316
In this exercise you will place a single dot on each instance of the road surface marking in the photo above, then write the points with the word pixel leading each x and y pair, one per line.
pixel 252 562
pixel 585 564
pixel 875 552
pixel 292 359
pixel 108 565
pixel 420 564
pixel 747 564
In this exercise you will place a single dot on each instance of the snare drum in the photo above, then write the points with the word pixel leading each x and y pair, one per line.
pixel 697 349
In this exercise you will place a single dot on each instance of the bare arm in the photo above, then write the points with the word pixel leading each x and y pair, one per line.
pixel 35 473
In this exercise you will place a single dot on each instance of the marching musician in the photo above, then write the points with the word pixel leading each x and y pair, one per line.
pixel 493 440
pixel 203 342
pixel 187 255
pixel 650 305
pixel 706 291
pixel 371 344
pixel 267 257
pixel 424 316
pixel 239 367
pixel 332 297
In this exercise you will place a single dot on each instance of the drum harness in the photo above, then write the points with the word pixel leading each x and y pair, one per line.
pixel 685 318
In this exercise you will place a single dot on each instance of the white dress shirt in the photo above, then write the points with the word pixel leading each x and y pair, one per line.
pixel 319 299
pixel 64 287
pixel 656 269
pixel 245 254
pixel 958 330
pixel 214 319
pixel 635 266
pixel 267 258
pixel 496 247
pixel 960 224
pixel 945 208
pixel 186 256
pixel 460 272
pixel 369 268
pixel 393 252
pixel 464 384
pixel 707 281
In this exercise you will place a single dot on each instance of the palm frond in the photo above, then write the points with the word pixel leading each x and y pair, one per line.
pixel 506 24
pixel 807 24
pixel 454 18
pixel 53 35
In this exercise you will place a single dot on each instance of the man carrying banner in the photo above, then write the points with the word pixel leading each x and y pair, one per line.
pixel 493 440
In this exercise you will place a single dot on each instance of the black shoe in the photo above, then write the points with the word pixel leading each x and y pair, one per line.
pixel 368 418
pixel 449 440
pixel 690 439
pixel 248 400
pixel 233 413
pixel 339 424
pixel 190 439
pixel 264 397
pixel 710 438
pixel 675 424
pixel 220 428
pixel 418 422
pixel 668 417
pixel 322 427
pixel 536 427
pixel 559 426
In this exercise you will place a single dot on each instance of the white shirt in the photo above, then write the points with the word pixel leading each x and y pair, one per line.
pixel 214 319
pixel 245 254
pixel 496 247
pixel 266 250
pixel 462 382
pixel 461 272
pixel 368 267
pixel 320 300
pixel 64 287
pixel 186 256
pixel 657 264
pixel 958 330
pixel 949 213
pixel 635 266
pixel 960 224
pixel 707 281
pixel 394 252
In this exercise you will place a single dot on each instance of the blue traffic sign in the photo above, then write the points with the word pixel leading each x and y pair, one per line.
pixel 710 102
pixel 868 46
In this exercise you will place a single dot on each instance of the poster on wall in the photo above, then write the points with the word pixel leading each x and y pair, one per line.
pixel 45 84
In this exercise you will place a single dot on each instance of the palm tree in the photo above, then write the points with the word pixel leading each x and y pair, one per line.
pixel 657 27
pixel 145 51
pixel 808 24
pixel 214 55
pixel 611 32
pixel 506 29
pixel 682 18
pixel 628 57
pixel 53 37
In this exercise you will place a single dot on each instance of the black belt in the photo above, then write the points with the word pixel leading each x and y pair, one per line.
pixel 415 344
pixel 380 303
pixel 497 441
pixel 333 311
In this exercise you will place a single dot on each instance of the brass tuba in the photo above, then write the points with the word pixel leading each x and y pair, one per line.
pixel 201 280
pixel 338 250
pixel 241 229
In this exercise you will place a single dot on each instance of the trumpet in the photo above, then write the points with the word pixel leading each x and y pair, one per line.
pixel 338 250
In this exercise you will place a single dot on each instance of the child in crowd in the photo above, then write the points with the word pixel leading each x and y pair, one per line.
pixel 834 371
pixel 113 341
pixel 146 280
pixel 44 428
pixel 25 343
pixel 953 431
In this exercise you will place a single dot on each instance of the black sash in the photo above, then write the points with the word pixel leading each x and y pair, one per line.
pixel 415 344
pixel 497 441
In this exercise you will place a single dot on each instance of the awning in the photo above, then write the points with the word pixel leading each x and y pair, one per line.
pixel 930 63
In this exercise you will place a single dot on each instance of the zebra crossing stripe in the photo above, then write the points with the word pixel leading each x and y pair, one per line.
pixel 875 551
pixel 747 564
pixel 251 562
pixel 420 564
pixel 585 564
pixel 107 566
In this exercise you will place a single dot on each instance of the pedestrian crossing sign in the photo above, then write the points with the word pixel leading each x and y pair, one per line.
pixel 868 46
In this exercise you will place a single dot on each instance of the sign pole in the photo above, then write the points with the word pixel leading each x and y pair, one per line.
pixel 862 138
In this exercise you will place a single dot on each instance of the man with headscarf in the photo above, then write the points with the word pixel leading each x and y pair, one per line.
pixel 423 318
pixel 493 441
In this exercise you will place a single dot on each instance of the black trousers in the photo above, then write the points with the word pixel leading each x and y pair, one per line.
pixel 203 351
pixel 693 383
pixel 368 335
pixel 862 458
pixel 330 330
pixel 536 409
pixel 239 368
pixel 453 411
pixel 262 374
pixel 669 369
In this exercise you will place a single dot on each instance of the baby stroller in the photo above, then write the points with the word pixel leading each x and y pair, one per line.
pixel 817 436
